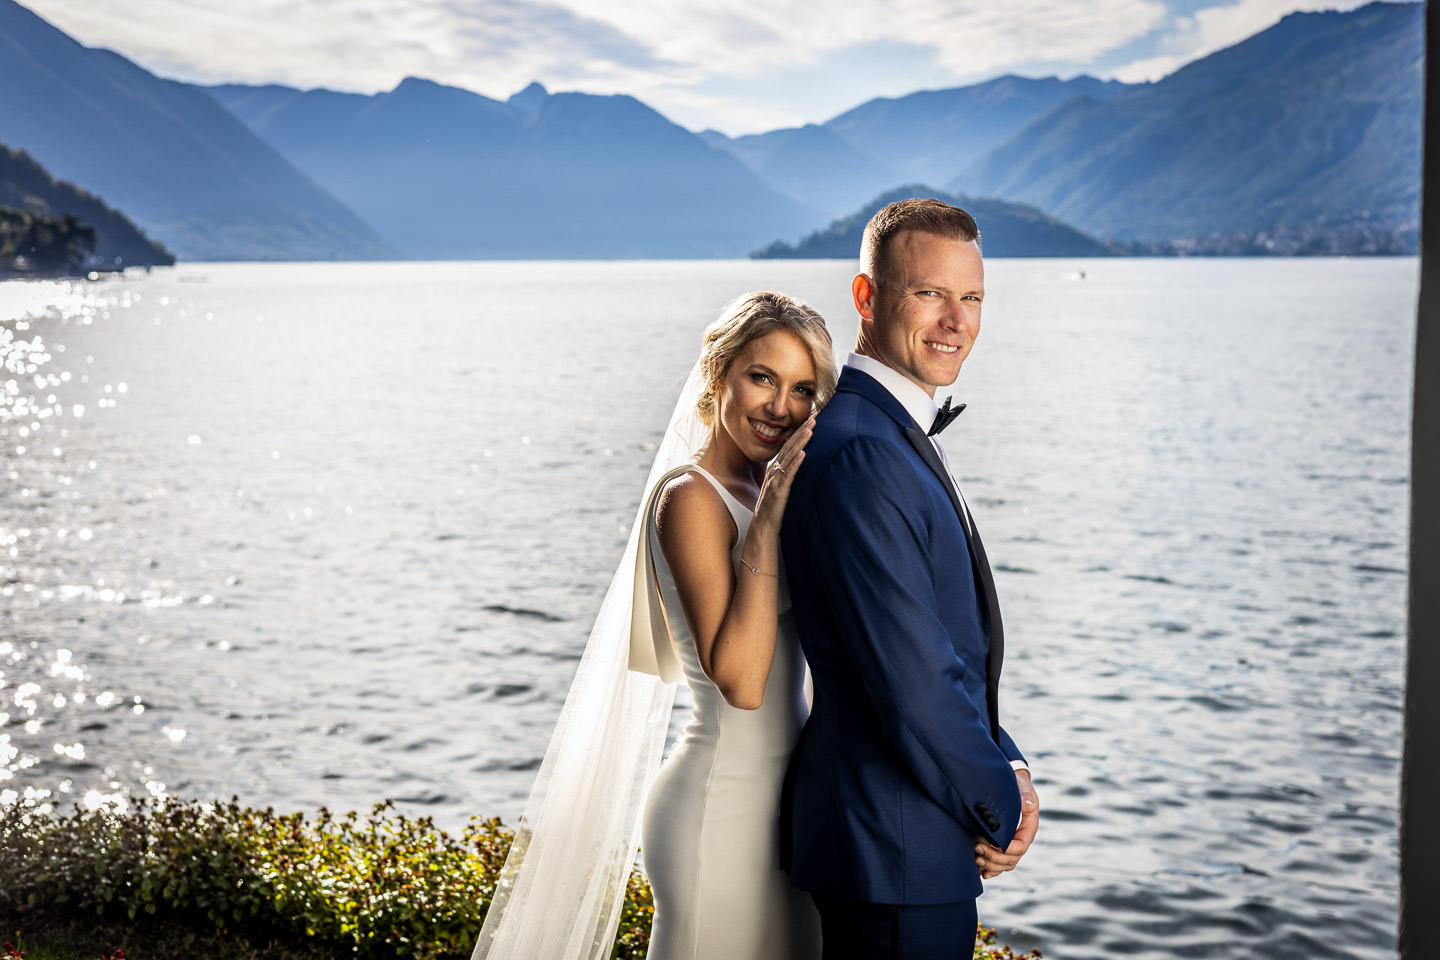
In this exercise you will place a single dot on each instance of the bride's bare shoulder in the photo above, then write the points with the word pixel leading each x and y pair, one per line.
pixel 690 506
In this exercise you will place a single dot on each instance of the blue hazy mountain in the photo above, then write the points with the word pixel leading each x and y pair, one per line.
pixel 27 186
pixel 1006 230
pixel 445 172
pixel 811 164
pixel 924 137
pixel 929 136
pixel 189 173
pixel 1312 124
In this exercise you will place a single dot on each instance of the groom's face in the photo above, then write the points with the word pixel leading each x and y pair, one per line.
pixel 921 317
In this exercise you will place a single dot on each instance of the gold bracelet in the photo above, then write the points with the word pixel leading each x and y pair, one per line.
pixel 756 570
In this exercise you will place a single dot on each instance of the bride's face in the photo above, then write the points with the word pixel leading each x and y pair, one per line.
pixel 768 391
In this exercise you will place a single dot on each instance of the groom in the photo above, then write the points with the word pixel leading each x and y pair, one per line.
pixel 904 790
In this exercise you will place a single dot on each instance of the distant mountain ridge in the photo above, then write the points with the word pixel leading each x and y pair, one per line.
pixel 1303 138
pixel 27 186
pixel 930 135
pixel 447 173
pixel 812 164
pixel 185 169
pixel 1314 122
pixel 1006 230
pixel 924 137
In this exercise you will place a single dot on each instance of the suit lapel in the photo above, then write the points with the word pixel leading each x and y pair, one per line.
pixel 864 385
pixel 995 656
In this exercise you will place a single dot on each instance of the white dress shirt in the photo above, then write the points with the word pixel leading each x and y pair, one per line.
pixel 922 407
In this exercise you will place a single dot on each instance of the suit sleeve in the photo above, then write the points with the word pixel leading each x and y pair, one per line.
pixel 1007 747
pixel 871 547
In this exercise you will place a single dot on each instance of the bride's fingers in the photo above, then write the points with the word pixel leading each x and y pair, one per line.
pixel 796 440
pixel 780 472
pixel 788 476
pixel 794 446
pixel 785 460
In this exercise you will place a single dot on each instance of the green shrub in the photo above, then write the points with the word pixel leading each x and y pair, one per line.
pixel 269 885
pixel 383 885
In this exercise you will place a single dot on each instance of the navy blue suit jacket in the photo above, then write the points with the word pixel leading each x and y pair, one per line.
pixel 902 763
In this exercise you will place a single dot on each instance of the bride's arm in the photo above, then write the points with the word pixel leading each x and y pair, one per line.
pixel 731 618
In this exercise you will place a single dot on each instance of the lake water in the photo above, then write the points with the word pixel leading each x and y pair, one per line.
pixel 324 534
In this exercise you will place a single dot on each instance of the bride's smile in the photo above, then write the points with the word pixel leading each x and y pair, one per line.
pixel 768 392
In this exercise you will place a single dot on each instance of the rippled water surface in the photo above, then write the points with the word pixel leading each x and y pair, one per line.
pixel 324 534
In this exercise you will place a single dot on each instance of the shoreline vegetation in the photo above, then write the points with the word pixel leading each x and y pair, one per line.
pixel 171 879
pixel 32 245
pixel 52 228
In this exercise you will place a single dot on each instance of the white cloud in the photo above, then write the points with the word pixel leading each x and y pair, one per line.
pixel 1214 28
pixel 492 46
pixel 969 39
pixel 698 61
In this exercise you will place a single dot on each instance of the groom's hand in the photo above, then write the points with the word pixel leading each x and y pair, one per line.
pixel 992 861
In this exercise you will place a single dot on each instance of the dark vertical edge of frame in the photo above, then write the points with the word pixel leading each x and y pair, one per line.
pixel 1419 930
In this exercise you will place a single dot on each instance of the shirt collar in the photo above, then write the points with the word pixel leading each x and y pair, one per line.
pixel 919 404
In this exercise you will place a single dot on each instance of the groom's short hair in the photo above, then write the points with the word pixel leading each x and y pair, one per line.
pixel 924 214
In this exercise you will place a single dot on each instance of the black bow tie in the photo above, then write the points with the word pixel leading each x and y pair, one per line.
pixel 945 415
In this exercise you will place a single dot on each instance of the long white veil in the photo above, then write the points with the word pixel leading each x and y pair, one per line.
pixel 560 893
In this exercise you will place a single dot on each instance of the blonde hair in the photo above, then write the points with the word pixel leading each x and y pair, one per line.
pixel 749 317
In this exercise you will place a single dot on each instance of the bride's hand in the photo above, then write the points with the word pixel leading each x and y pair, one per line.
pixel 779 474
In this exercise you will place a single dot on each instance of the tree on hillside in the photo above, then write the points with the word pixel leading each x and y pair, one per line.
pixel 33 245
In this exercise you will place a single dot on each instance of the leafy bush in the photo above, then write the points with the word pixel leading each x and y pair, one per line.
pixel 383 885
pixel 379 886
pixel 987 949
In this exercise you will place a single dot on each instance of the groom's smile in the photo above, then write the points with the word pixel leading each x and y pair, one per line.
pixel 921 317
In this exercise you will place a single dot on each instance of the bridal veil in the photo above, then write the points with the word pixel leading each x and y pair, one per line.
pixel 560 893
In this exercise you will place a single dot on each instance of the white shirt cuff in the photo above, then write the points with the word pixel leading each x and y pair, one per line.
pixel 1019 765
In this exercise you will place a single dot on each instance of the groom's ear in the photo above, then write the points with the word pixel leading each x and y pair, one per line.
pixel 863 290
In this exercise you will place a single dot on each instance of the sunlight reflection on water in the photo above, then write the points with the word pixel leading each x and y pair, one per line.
pixel 323 534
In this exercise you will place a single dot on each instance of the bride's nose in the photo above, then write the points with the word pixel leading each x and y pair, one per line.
pixel 776 407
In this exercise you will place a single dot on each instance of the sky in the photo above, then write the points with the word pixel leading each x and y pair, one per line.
pixel 737 66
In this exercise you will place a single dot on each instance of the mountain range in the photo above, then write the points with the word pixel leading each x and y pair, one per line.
pixel 925 137
pixel 1317 120
pixel 1006 230
pixel 450 174
pixel 1309 131
pixel 165 153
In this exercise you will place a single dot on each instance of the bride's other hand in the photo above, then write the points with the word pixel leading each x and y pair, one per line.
pixel 779 475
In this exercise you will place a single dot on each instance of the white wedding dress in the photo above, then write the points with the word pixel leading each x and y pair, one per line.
pixel 710 841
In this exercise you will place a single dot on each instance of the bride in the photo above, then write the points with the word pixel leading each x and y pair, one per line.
pixel 697 598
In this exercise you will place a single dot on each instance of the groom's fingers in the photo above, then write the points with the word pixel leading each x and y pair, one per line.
pixel 988 856
pixel 1025 832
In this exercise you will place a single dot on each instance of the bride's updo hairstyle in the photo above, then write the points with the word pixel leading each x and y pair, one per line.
pixel 751 316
